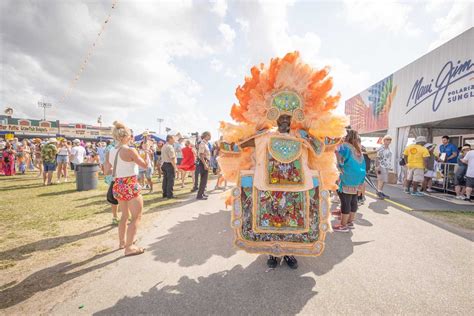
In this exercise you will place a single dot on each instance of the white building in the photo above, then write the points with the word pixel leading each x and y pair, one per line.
pixel 433 96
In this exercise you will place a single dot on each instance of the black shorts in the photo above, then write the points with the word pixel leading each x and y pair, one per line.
pixel 470 182
pixel 348 202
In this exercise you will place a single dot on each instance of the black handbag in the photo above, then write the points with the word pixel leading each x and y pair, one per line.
pixel 402 162
pixel 110 192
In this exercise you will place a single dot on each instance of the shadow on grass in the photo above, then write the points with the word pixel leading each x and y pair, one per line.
pixel 22 187
pixel 25 251
pixel 57 193
pixel 251 290
pixel 49 278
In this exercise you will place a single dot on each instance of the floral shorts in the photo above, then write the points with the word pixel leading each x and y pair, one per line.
pixel 126 189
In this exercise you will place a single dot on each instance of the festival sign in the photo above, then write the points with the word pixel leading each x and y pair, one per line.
pixel 27 127
pixel 436 87
pixel 85 131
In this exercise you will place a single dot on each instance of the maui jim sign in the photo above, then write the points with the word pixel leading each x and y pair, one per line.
pixel 439 88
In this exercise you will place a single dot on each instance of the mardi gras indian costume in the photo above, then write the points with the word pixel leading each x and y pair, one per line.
pixel 281 155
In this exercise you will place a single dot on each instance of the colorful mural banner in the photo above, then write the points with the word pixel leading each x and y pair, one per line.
pixel 369 110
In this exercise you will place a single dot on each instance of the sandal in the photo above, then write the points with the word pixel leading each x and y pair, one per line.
pixel 123 245
pixel 137 252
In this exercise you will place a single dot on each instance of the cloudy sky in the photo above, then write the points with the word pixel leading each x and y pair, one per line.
pixel 182 60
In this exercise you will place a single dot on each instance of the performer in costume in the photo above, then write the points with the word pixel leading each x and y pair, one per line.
pixel 281 155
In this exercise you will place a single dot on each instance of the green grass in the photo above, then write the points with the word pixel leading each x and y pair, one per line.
pixel 462 219
pixel 34 217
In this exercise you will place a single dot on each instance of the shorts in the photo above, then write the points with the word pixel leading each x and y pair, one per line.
pixel 145 173
pixel 348 202
pixel 127 188
pixel 382 175
pixel 49 166
pixel 179 160
pixel 470 182
pixel 415 174
pixel 62 159
pixel 459 180
pixel 430 174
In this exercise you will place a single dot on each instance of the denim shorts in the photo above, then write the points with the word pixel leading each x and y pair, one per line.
pixel 145 173
pixel 62 159
pixel 49 166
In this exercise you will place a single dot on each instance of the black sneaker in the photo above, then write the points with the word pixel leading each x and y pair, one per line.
pixel 201 198
pixel 194 189
pixel 385 196
pixel 291 262
pixel 380 195
pixel 272 262
pixel 467 199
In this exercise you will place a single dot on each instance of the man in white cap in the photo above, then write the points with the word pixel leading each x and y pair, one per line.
pixel 48 156
pixel 416 156
pixel 77 153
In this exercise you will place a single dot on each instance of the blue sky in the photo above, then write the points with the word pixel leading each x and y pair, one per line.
pixel 182 60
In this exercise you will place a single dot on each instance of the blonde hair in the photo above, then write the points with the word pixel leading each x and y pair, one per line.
pixel 120 131
pixel 387 137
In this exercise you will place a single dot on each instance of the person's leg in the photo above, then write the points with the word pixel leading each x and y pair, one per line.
pixel 345 210
pixel 354 206
pixel 135 206
pixel 45 176
pixel 430 183
pixel 463 190
pixel 468 192
pixel 424 184
pixel 172 174
pixel 183 176
pixel 457 189
pixel 149 180
pixel 164 179
pixel 65 171
pixel 122 228
pixel 196 178
pixel 203 182
pixel 115 211
pixel 50 177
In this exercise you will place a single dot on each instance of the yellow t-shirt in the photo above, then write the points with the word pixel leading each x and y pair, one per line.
pixel 415 154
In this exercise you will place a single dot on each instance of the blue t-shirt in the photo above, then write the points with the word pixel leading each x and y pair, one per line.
pixel 352 166
pixel 449 149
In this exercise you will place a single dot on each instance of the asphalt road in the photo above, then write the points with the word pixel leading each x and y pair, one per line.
pixel 392 263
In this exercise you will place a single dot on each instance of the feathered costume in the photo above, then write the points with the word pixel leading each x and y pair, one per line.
pixel 280 204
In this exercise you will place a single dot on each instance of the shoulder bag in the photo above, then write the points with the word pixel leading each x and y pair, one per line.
pixel 110 192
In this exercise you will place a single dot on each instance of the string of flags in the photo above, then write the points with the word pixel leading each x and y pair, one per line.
pixel 85 61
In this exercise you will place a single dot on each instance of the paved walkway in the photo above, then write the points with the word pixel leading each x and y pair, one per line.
pixel 392 263
pixel 429 202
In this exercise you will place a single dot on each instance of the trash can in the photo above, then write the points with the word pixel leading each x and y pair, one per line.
pixel 87 176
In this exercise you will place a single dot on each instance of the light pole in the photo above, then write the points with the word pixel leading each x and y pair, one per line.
pixel 159 120
pixel 99 121
pixel 45 106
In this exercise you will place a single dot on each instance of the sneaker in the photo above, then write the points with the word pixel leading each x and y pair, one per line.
pixel 350 225
pixel 272 262
pixel 385 196
pixel 417 193
pixel 201 198
pixel 291 262
pixel 430 190
pixel 407 191
pixel 380 195
pixel 459 197
pixel 194 190
pixel 115 221
pixel 340 228
pixel 467 199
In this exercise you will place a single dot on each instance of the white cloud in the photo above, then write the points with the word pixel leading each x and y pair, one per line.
pixel 216 65
pixel 132 71
pixel 388 15
pixel 243 24
pixel 460 17
pixel 228 33
pixel 219 7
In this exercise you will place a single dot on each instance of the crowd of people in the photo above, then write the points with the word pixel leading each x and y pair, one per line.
pixel 130 167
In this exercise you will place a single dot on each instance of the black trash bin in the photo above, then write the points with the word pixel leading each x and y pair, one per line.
pixel 87 176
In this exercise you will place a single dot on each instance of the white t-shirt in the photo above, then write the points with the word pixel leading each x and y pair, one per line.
pixel 470 164
pixel 78 153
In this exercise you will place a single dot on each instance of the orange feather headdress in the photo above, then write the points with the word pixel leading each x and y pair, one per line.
pixel 262 97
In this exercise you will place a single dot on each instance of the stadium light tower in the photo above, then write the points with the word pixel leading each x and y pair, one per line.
pixel 45 106
pixel 159 120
